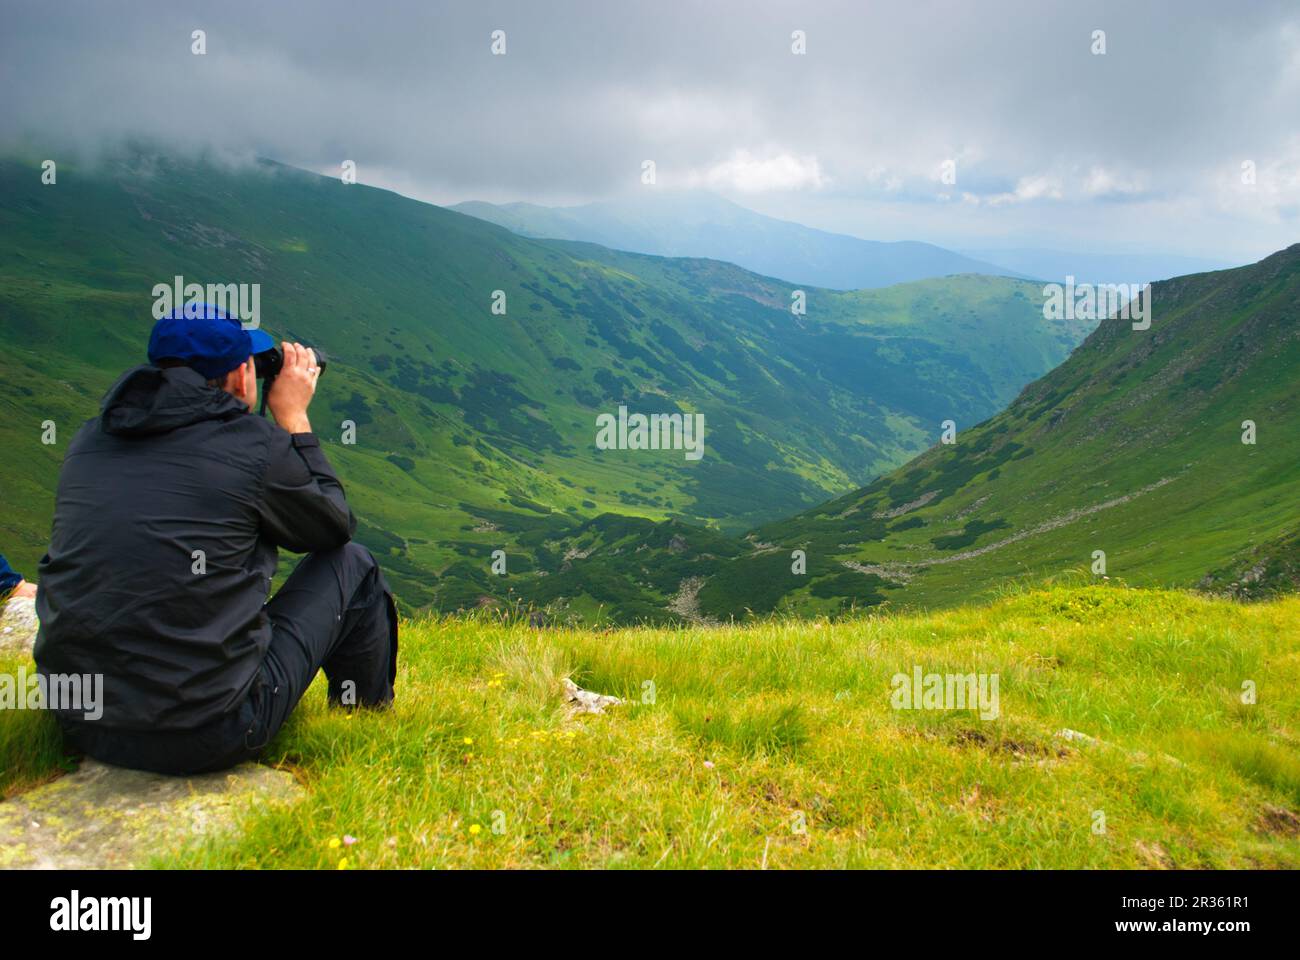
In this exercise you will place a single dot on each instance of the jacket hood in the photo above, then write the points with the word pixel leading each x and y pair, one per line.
pixel 150 400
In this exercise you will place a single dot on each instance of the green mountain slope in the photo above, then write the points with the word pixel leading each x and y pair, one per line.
pixel 1132 447
pixel 475 431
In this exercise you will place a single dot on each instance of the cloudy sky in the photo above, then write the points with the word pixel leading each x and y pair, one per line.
pixel 1143 148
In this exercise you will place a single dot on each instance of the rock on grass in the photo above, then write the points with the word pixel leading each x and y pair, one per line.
pixel 18 625
pixel 104 817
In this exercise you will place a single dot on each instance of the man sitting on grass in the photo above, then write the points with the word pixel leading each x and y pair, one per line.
pixel 170 507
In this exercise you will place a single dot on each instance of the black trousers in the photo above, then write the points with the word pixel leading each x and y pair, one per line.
pixel 335 612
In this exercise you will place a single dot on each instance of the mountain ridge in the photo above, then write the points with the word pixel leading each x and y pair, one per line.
pixel 702 224
pixel 1126 462
pixel 1178 397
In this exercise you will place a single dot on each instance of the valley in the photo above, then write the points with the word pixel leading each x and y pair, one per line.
pixel 472 363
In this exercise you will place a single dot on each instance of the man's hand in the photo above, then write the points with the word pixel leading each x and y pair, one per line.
pixel 293 388
pixel 24 589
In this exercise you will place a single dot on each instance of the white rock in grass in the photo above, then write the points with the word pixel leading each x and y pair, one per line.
pixel 1074 736
pixel 584 701
pixel 18 625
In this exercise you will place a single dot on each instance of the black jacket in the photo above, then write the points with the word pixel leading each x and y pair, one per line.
pixel 173 466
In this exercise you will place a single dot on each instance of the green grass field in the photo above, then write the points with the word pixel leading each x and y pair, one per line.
pixel 775 744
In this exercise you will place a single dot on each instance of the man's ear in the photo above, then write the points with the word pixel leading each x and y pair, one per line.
pixel 248 382
pixel 239 380
pixel 234 381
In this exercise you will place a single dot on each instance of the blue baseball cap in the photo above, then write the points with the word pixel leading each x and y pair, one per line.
pixel 202 337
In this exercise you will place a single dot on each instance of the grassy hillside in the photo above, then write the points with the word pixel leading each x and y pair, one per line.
pixel 776 744
pixel 1132 447
pixel 476 430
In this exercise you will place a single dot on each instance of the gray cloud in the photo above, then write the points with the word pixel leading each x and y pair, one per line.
pixel 1140 148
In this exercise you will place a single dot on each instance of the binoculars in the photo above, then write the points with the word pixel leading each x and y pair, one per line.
pixel 268 363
